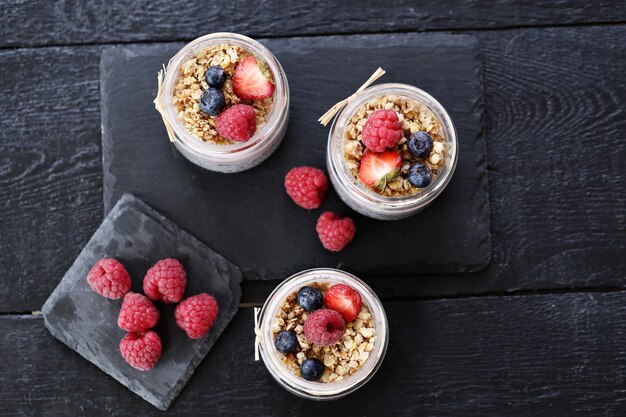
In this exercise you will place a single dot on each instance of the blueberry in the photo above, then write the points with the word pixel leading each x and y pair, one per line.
pixel 420 144
pixel 212 102
pixel 310 298
pixel 419 175
pixel 286 342
pixel 215 76
pixel 312 369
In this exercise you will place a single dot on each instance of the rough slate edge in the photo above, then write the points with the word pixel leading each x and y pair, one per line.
pixel 109 55
pixel 233 283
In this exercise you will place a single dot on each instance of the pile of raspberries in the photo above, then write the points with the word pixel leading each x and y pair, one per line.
pixel 165 282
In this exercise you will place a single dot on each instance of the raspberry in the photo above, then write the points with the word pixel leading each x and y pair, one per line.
pixel 109 278
pixel 196 315
pixel 382 130
pixel 137 314
pixel 165 281
pixel 335 231
pixel 141 350
pixel 324 327
pixel 306 186
pixel 237 123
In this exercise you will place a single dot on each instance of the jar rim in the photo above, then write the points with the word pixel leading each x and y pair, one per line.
pixel 364 194
pixel 277 114
pixel 314 389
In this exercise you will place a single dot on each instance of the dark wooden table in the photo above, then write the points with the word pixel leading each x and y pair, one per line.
pixel 540 331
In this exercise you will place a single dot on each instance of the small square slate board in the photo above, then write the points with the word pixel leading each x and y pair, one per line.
pixel 248 217
pixel 138 236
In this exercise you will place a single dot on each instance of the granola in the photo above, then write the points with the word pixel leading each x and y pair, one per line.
pixel 414 116
pixel 342 359
pixel 190 84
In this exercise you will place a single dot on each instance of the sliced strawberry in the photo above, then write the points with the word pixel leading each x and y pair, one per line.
pixel 253 80
pixel 378 168
pixel 345 300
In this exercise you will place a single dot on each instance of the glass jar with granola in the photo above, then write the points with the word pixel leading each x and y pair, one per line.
pixel 391 151
pixel 224 99
pixel 323 333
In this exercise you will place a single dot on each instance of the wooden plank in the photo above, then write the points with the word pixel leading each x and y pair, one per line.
pixel 78 22
pixel 556 157
pixel 557 355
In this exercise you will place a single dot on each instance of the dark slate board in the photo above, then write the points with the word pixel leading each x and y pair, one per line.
pixel 138 236
pixel 248 217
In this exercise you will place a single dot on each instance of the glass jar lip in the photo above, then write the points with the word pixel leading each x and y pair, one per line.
pixel 277 114
pixel 312 389
pixel 360 191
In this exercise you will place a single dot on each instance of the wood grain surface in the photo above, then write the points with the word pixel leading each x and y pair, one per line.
pixel 556 157
pixel 556 355
pixel 57 22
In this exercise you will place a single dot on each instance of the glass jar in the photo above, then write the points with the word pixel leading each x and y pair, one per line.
pixel 365 200
pixel 312 389
pixel 237 156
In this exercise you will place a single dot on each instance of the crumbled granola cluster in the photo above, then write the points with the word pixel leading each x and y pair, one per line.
pixel 343 358
pixel 191 83
pixel 413 116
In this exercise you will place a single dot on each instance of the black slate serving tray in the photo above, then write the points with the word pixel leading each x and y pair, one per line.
pixel 248 217
pixel 138 236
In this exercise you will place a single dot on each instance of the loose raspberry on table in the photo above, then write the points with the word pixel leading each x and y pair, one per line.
pixel 109 278
pixel 141 350
pixel 196 315
pixel 382 130
pixel 237 123
pixel 137 314
pixel 165 281
pixel 324 327
pixel 306 186
pixel 334 231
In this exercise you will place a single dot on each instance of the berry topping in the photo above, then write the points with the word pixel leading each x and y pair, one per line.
pixel 109 278
pixel 212 102
pixel 345 300
pixel 237 123
pixel 420 144
pixel 419 175
pixel 215 76
pixel 334 231
pixel 165 281
pixel 310 298
pixel 306 186
pixel 286 342
pixel 137 314
pixel 379 168
pixel 141 350
pixel 324 327
pixel 196 315
pixel 382 130
pixel 311 369
pixel 253 80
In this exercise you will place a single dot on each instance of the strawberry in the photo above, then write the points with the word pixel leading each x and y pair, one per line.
pixel 345 300
pixel 253 80
pixel 378 168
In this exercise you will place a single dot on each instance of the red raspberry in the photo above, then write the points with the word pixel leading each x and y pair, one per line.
pixel 324 327
pixel 306 186
pixel 165 281
pixel 196 315
pixel 237 123
pixel 335 231
pixel 141 350
pixel 137 314
pixel 382 130
pixel 109 278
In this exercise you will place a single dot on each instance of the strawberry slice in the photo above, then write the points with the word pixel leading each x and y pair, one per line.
pixel 378 168
pixel 253 80
pixel 345 300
